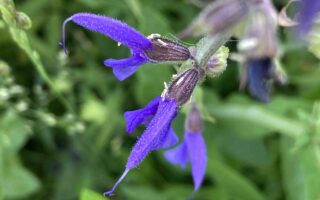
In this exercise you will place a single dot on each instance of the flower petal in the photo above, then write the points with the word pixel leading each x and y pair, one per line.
pixel 154 135
pixel 110 192
pixel 178 155
pixel 258 74
pixel 112 28
pixel 124 68
pixel 309 10
pixel 137 117
pixel 198 157
pixel 171 139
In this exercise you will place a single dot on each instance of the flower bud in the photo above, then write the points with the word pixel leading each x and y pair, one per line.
pixel 194 121
pixel 218 16
pixel 166 50
pixel 181 87
pixel 217 64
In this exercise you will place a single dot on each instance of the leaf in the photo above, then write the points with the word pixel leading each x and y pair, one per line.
pixel 150 81
pixel 14 130
pixel 184 191
pixel 257 116
pixel 10 17
pixel 314 40
pixel 236 185
pixel 87 194
pixel 142 193
pixel 301 170
pixel 18 181
pixel 248 151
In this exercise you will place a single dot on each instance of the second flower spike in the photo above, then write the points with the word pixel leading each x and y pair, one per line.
pixel 157 116
pixel 153 49
pixel 192 149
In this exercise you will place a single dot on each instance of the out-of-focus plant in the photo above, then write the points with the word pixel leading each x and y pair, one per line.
pixel 61 124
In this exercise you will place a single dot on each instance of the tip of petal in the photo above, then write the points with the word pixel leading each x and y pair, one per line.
pixel 178 155
pixel 110 192
pixel 63 42
pixel 124 68
pixel 64 47
pixel 124 73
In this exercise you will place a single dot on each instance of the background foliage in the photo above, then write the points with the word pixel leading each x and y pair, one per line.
pixel 62 133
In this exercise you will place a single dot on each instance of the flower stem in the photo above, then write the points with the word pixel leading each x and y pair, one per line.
pixel 207 46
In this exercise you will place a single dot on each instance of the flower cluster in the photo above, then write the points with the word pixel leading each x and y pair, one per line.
pixel 158 115
pixel 254 22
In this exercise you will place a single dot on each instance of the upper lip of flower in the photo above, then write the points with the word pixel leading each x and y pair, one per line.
pixel 112 28
pixel 152 49
pixel 192 149
pixel 120 32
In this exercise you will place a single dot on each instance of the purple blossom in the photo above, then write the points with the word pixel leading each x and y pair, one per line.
pixel 157 116
pixel 153 49
pixel 259 73
pixel 259 45
pixel 309 9
pixel 158 134
pixel 192 149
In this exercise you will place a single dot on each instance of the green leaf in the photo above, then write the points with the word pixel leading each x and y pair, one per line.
pixel 301 170
pixel 257 116
pixel 248 151
pixel 237 186
pixel 142 192
pixel 17 22
pixel 18 181
pixel 87 194
pixel 14 131
pixel 150 81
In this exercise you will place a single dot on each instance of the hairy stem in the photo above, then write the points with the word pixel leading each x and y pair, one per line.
pixel 209 45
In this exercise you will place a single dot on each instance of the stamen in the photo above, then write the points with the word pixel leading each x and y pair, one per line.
pixel 63 43
pixel 163 94
pixel 110 192
pixel 153 35
pixel 162 42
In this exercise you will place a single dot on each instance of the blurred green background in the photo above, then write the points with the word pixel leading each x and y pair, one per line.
pixel 62 134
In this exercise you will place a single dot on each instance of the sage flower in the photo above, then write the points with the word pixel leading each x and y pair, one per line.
pixel 152 49
pixel 157 116
pixel 259 46
pixel 192 149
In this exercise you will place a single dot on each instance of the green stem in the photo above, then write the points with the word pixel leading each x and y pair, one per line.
pixel 208 46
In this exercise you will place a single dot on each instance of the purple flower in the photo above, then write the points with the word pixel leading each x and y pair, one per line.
pixel 259 45
pixel 158 134
pixel 157 116
pixel 259 74
pixel 192 149
pixel 153 49
pixel 309 9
